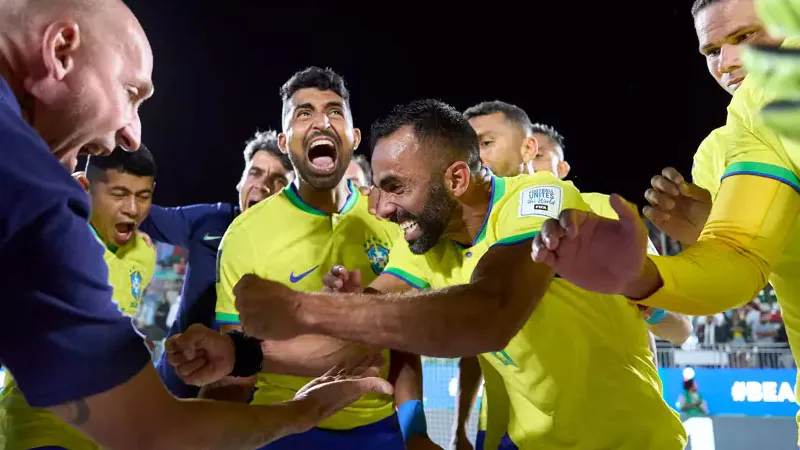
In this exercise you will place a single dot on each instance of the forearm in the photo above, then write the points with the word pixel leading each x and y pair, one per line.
pixel 308 355
pixel 223 425
pixel 469 380
pixel 142 414
pixel 675 328
pixel 462 320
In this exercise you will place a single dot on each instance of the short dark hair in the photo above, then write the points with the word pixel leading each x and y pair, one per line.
pixel 513 113
pixel 362 162
pixel 266 141
pixel 549 132
pixel 139 163
pixel 315 77
pixel 700 5
pixel 435 123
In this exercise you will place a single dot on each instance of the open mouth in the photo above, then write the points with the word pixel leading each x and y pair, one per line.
pixel 322 155
pixel 124 231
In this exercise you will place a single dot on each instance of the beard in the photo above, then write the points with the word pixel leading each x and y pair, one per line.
pixel 433 219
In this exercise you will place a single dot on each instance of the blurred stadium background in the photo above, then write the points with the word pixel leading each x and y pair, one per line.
pixel 745 371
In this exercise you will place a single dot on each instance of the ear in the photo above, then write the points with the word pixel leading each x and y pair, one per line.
pixel 283 143
pixel 563 169
pixel 61 41
pixel 356 138
pixel 530 148
pixel 80 177
pixel 457 178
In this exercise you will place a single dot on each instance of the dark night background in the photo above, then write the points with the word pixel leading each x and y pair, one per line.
pixel 622 81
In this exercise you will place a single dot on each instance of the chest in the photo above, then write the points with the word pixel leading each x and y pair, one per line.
pixel 128 281
pixel 301 258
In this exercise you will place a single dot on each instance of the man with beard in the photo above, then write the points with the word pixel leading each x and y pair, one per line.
pixel 199 229
pixel 294 238
pixel 575 373
pixel 73 74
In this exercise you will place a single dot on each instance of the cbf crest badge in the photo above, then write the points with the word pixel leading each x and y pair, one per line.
pixel 136 285
pixel 377 253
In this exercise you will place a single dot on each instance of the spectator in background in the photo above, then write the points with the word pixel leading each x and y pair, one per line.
pixel 162 311
pixel 199 229
pixel 712 332
pixel 690 402
pixel 359 171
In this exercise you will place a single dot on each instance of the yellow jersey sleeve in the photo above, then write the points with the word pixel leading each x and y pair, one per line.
pixel 407 266
pixel 530 201
pixel 745 234
pixel 709 162
pixel 235 258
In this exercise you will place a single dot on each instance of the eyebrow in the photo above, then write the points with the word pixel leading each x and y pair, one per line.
pixel 736 32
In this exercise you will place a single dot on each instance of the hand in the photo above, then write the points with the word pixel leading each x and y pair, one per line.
pixel 200 355
pixel 595 253
pixel 677 208
pixel 420 442
pixel 339 279
pixel 146 238
pixel 267 309
pixel 644 311
pixel 460 441
pixel 341 386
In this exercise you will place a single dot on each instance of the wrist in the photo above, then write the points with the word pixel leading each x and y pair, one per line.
pixel 645 284
pixel 247 354
pixel 307 315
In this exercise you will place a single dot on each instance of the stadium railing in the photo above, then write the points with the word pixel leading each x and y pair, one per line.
pixel 729 355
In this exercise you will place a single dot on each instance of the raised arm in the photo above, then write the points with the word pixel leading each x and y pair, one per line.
pixel 175 225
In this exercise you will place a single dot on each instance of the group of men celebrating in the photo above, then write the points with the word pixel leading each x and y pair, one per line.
pixel 313 297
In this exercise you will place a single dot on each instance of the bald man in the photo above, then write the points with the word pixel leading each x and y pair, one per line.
pixel 72 77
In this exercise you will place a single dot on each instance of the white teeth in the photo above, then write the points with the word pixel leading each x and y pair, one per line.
pixel 323 141
pixel 406 225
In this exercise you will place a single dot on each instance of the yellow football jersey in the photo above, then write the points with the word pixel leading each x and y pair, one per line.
pixel 286 240
pixel 130 270
pixel 579 374
pixel 745 146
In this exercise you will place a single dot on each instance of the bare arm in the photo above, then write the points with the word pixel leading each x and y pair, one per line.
pixel 142 414
pixel 675 328
pixel 461 320
pixel 469 380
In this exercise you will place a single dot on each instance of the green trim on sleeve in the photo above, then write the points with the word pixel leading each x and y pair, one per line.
pixel 758 169
pixel 415 281
pixel 516 239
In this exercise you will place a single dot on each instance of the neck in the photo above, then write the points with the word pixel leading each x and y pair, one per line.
pixel 329 202
pixel 108 244
pixel 12 69
pixel 471 214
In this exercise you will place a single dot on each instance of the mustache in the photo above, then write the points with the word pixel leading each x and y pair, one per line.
pixel 328 134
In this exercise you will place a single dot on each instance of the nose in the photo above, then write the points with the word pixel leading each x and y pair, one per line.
pixel 129 137
pixel 321 121
pixel 729 58
pixel 384 209
pixel 130 207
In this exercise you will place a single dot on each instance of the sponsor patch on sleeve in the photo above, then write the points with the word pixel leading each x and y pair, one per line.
pixel 541 201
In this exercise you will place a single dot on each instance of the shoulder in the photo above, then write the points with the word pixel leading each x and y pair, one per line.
pixel 540 194
pixel 262 215
pixel 31 178
pixel 600 204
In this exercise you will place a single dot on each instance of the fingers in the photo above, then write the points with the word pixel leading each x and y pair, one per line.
pixel 659 199
pixel 374 196
pixel 657 216
pixel 370 384
pixel 628 214
pixel 674 177
pixel 540 253
pixel 336 279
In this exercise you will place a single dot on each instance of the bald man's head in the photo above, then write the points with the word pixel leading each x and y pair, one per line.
pixel 81 69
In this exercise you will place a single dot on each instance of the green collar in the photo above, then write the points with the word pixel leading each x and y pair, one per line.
pixel 498 191
pixel 111 247
pixel 298 202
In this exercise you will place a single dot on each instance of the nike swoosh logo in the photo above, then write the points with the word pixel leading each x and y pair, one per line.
pixel 295 279
pixel 209 237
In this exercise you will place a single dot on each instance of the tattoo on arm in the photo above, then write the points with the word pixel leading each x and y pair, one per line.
pixel 80 413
